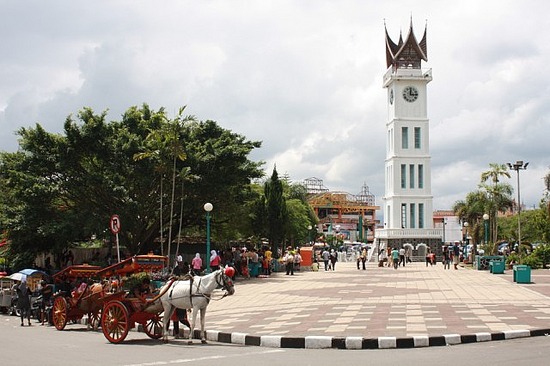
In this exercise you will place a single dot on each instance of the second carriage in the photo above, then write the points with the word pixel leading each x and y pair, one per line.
pixel 135 307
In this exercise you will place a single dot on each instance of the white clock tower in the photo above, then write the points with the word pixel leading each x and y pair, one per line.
pixel 407 202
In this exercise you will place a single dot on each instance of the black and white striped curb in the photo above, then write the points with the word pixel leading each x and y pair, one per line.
pixel 319 342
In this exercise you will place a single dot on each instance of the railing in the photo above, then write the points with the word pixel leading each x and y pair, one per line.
pixel 407 73
pixel 409 233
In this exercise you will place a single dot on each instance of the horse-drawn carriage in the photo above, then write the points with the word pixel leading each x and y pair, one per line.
pixel 121 314
pixel 77 297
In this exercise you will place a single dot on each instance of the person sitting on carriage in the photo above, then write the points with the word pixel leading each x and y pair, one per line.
pixel 141 289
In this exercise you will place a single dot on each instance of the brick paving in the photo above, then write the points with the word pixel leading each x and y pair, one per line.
pixel 383 302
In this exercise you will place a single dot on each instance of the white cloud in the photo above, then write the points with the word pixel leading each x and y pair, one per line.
pixel 303 77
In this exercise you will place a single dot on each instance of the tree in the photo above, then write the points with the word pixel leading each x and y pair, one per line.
pixel 62 189
pixel 276 211
pixel 498 194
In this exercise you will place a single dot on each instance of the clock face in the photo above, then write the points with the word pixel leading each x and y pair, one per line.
pixel 410 93
pixel 391 96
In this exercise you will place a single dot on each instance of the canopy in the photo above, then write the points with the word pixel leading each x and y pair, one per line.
pixel 32 272
pixel 135 264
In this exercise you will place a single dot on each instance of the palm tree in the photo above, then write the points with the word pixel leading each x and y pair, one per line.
pixel 496 192
pixel 471 211
pixel 165 143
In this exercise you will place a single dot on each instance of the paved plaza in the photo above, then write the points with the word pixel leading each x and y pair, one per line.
pixel 412 301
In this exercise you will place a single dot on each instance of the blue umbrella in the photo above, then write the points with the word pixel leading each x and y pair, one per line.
pixel 31 272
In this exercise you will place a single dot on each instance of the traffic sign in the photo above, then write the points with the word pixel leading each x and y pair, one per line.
pixel 115 224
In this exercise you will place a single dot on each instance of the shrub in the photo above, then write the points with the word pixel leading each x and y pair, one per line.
pixel 532 261
pixel 543 253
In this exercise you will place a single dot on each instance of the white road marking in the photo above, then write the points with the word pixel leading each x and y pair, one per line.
pixel 215 357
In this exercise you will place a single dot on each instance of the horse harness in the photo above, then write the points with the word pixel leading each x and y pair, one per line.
pixel 198 293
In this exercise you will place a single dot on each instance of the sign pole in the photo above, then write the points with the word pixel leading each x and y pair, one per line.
pixel 115 229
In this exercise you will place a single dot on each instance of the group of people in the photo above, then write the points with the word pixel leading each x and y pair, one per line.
pixel 329 259
pixel 24 295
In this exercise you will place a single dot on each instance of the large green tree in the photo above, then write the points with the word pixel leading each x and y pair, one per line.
pixel 64 188
pixel 276 211
pixel 499 194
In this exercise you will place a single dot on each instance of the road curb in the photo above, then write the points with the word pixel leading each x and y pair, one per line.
pixel 324 342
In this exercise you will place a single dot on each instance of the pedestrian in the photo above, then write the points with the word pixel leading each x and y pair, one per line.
pixel 333 259
pixel 402 256
pixel 446 258
pixel 214 261
pixel 390 257
pixel 326 258
pixel 297 260
pixel 456 254
pixel 46 290
pixel 196 265
pixel 395 257
pixel 268 254
pixel 428 251
pixel 237 259
pixel 362 258
pixel 23 300
pixel 289 262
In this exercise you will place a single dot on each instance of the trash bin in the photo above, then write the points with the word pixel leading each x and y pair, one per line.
pixel 496 267
pixel 522 273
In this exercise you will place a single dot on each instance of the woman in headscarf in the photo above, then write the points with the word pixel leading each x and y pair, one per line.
pixel 214 261
pixel 196 264
pixel 24 301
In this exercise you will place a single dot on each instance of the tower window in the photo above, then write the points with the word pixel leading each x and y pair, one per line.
pixel 404 137
pixel 411 176
pixel 403 176
pixel 421 216
pixel 413 216
pixel 403 215
pixel 420 176
pixel 417 138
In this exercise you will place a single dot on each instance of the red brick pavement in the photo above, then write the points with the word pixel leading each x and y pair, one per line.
pixel 412 301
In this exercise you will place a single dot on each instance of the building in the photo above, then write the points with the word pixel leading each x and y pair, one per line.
pixel 350 216
pixel 407 202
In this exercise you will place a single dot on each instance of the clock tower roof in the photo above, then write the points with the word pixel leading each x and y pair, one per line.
pixel 406 53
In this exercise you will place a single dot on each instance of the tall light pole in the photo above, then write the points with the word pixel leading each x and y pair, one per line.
pixel 208 207
pixel 486 227
pixel 473 252
pixel 309 234
pixel 444 224
pixel 517 166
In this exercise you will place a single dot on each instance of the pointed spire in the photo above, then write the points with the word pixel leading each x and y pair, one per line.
pixel 408 53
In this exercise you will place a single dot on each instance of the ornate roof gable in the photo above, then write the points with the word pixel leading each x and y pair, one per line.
pixel 408 53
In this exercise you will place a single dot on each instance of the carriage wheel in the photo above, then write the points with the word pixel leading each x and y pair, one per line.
pixel 60 310
pixel 153 327
pixel 94 319
pixel 115 322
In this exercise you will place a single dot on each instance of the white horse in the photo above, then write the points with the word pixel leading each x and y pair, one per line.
pixel 194 294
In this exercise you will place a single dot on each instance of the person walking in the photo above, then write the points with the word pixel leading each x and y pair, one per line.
pixel 362 258
pixel 456 254
pixel 289 262
pixel 333 259
pixel 23 300
pixel 215 261
pixel 402 257
pixel 326 258
pixel 196 265
pixel 446 258
pixel 395 257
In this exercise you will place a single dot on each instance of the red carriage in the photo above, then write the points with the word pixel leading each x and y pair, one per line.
pixel 122 313
pixel 76 296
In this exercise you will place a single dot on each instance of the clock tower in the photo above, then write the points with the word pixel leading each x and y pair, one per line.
pixel 407 201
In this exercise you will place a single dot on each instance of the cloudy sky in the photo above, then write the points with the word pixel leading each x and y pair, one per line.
pixel 304 77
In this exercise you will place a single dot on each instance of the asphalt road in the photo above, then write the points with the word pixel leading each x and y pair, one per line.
pixel 44 346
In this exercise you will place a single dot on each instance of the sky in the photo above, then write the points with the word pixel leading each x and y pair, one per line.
pixel 303 77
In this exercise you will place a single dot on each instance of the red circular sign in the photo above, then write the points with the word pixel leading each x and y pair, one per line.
pixel 115 224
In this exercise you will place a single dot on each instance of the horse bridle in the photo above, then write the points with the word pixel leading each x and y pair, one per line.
pixel 226 282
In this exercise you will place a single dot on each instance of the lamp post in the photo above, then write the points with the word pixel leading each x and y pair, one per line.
pixel 208 207
pixel 444 224
pixel 517 166
pixel 472 252
pixel 486 227
pixel 309 227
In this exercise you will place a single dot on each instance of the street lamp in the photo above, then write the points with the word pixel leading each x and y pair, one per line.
pixel 465 239
pixel 517 166
pixel 486 227
pixel 309 234
pixel 208 207
pixel 444 224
